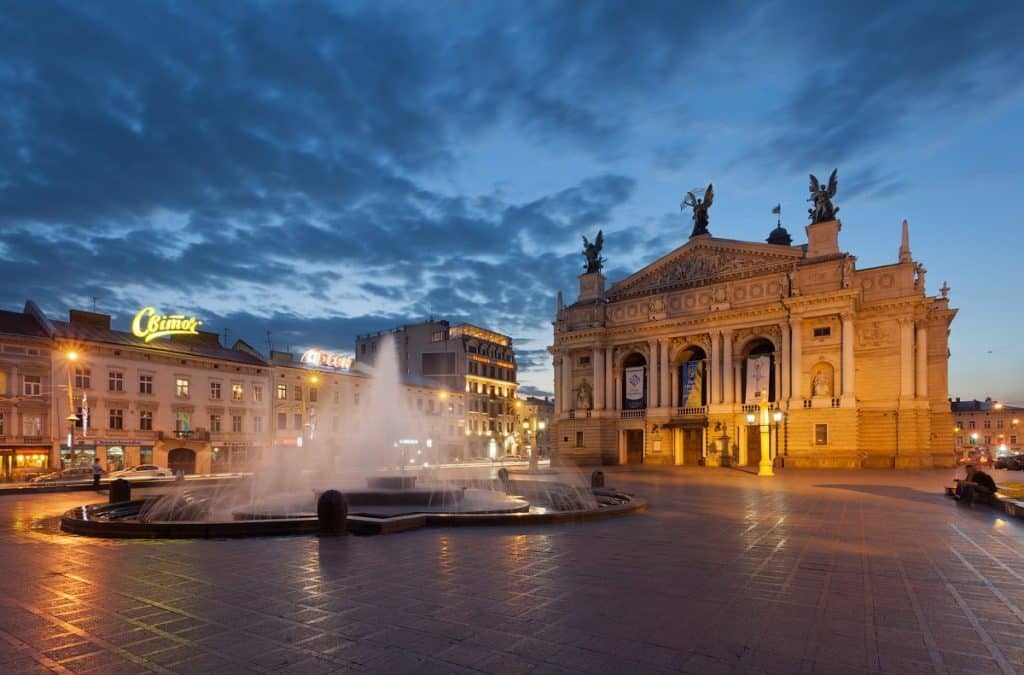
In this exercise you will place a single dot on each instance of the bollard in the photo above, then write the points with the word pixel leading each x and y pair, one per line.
pixel 505 482
pixel 332 513
pixel 120 491
pixel 597 479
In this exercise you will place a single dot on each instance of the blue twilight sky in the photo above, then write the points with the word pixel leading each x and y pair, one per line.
pixel 321 170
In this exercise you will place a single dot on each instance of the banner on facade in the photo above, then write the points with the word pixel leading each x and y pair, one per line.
pixel 635 387
pixel 693 384
pixel 759 370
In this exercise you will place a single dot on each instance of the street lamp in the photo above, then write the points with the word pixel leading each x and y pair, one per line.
pixel 71 357
pixel 765 421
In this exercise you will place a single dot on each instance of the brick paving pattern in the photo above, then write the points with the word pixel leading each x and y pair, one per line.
pixel 809 572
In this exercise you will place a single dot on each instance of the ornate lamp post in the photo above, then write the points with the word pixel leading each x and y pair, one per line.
pixel 71 357
pixel 765 419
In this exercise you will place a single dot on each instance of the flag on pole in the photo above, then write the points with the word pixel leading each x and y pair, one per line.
pixel 777 209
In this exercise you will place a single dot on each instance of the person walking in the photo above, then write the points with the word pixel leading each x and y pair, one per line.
pixel 97 471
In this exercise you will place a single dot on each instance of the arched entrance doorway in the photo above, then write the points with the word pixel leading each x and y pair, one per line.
pixel 634 382
pixel 181 459
pixel 758 375
pixel 691 397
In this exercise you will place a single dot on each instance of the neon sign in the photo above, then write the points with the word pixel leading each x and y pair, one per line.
pixel 317 357
pixel 149 325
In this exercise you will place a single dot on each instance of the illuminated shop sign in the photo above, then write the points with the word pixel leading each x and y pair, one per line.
pixel 318 357
pixel 149 325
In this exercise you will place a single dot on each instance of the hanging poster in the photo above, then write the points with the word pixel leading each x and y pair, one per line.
pixel 759 370
pixel 693 384
pixel 635 388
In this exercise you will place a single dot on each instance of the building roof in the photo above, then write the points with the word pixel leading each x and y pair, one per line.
pixel 988 405
pixel 203 347
pixel 21 324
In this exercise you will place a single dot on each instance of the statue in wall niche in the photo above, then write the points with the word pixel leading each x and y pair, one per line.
pixel 584 397
pixel 822 385
pixel 823 210
pixel 700 209
pixel 592 253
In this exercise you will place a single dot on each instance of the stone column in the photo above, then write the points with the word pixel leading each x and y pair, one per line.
pixel 848 364
pixel 652 374
pixel 597 361
pixel 795 365
pixel 570 404
pixel 617 388
pixel 728 378
pixel 714 369
pixel 663 376
pixel 609 379
pixel 906 357
pixel 777 367
pixel 737 384
pixel 784 375
pixel 559 403
pixel 922 360
pixel 673 389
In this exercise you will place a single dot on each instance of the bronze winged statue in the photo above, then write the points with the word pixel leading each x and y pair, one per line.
pixel 700 210
pixel 823 210
pixel 592 252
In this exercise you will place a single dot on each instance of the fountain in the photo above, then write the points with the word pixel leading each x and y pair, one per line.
pixel 283 499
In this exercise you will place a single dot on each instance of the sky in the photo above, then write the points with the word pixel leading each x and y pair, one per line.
pixel 315 171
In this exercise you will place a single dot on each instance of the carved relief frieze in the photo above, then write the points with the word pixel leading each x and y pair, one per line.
pixel 876 334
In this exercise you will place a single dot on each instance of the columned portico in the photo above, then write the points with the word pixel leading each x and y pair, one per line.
pixel 796 356
pixel 663 376
pixel 849 397
pixel 728 378
pixel 597 359
pixel 784 375
pixel 906 358
pixel 922 360
pixel 714 369
pixel 611 400
pixel 652 374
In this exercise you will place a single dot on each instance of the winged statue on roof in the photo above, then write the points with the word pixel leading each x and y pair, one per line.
pixel 700 209
pixel 592 253
pixel 823 211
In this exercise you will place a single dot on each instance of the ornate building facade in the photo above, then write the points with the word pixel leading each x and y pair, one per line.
pixel 666 366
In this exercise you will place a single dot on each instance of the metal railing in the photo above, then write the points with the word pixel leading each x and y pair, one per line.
pixel 638 412
pixel 698 411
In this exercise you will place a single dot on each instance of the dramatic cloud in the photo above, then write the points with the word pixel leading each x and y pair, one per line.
pixel 324 170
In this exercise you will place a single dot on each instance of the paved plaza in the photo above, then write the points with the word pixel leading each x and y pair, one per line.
pixel 807 572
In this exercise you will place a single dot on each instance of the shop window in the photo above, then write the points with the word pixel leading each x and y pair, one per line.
pixel 146 454
pixel 215 391
pixel 236 424
pixel 83 378
pixel 181 387
pixel 31 424
pixel 115 380
pixel 214 423
pixel 257 392
pixel 116 418
pixel 282 420
pixel 821 434
pixel 115 458
pixel 145 384
pixel 237 392
pixel 32 385
pixel 257 424
pixel 145 420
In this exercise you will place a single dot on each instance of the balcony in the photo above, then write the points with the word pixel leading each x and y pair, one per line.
pixel 637 413
pixel 692 411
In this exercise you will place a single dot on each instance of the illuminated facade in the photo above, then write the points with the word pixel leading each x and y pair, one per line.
pixel 665 365
pixel 988 425
pixel 462 358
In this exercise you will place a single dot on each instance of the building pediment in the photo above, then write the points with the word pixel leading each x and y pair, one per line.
pixel 705 260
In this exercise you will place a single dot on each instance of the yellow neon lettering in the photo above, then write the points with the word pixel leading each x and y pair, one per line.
pixel 158 325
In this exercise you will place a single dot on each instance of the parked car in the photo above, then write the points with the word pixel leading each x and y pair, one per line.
pixel 142 471
pixel 73 474
pixel 1012 462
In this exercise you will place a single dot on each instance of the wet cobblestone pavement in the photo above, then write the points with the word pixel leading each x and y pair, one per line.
pixel 807 572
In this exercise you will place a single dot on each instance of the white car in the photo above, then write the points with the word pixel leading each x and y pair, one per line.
pixel 142 471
